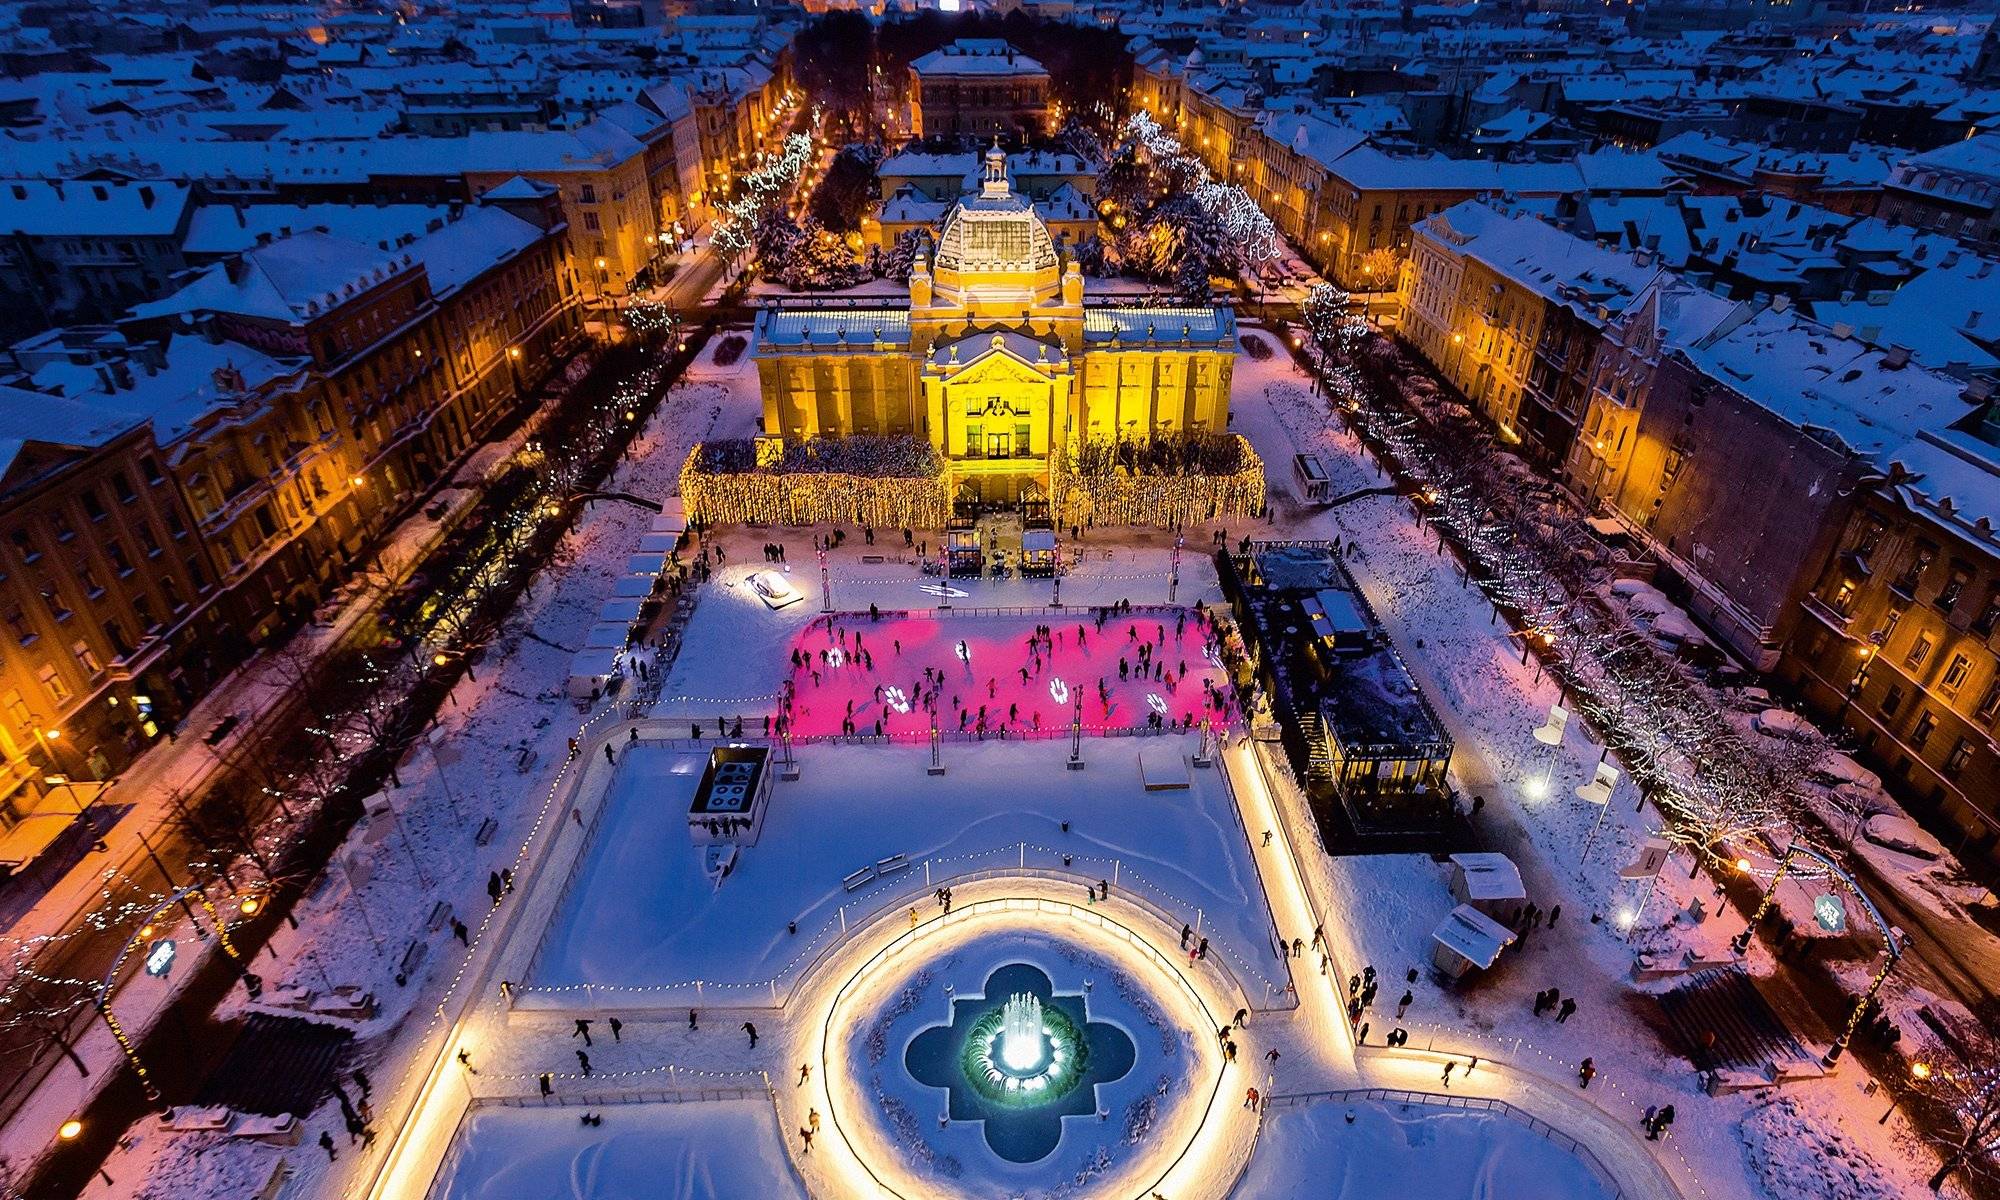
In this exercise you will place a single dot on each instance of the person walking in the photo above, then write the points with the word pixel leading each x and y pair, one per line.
pixel 1543 999
pixel 543 1083
pixel 617 1027
pixel 1647 1122
pixel 1567 1010
pixel 1242 1018
pixel 1187 931
pixel 583 1061
pixel 805 1073
pixel 1555 911
pixel 1201 951
pixel 805 1140
pixel 1403 1005
pixel 1663 1122
pixel 1585 1072
pixel 326 1144
pixel 1450 1065
pixel 459 931
pixel 1250 1097
pixel 1271 1056
pixel 693 1021
pixel 493 885
pixel 752 1031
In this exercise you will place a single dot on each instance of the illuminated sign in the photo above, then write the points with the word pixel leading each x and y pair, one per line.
pixel 160 957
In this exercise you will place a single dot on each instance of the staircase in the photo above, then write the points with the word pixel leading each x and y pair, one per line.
pixel 1319 764
pixel 1749 1036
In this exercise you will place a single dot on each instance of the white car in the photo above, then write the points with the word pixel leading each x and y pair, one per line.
pixel 774 589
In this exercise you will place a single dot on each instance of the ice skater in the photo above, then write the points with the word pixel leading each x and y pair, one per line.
pixel 752 1031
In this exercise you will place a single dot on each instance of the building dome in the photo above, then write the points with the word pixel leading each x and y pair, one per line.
pixel 995 232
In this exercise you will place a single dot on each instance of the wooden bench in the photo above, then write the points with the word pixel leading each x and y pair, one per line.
pixel 892 864
pixel 858 879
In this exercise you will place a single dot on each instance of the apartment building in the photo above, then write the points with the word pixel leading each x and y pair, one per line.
pixel 225 458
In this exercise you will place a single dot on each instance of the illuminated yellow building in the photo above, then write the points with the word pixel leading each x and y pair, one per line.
pixel 996 360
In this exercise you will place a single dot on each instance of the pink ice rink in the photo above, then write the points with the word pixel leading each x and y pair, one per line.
pixel 902 647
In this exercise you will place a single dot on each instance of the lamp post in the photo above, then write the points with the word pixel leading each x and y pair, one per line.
pixel 1919 1071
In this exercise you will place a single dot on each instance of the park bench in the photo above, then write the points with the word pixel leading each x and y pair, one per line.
pixel 858 879
pixel 892 864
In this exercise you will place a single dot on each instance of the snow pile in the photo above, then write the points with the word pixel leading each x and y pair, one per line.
pixel 1796 1156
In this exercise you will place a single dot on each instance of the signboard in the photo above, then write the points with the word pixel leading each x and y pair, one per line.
pixel 160 957
pixel 1599 789
pixel 1652 856
pixel 1830 913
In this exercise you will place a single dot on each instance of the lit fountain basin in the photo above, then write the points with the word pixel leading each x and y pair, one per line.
pixel 1163 1114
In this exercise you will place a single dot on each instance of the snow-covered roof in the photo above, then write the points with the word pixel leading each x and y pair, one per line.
pixel 1473 936
pixel 293 280
pixel 833 326
pixel 1206 323
pixel 977 56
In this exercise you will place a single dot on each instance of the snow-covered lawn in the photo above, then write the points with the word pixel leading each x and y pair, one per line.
pixel 643 914
pixel 696 1150
pixel 1372 1150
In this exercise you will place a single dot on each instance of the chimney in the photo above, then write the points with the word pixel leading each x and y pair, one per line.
pixel 1895 358
pixel 1780 302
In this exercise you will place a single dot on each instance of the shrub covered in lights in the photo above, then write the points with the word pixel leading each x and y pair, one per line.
pixel 1167 480
pixel 886 482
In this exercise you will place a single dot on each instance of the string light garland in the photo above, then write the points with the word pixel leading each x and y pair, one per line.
pixel 883 482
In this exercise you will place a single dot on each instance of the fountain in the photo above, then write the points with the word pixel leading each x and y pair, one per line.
pixel 1021 1033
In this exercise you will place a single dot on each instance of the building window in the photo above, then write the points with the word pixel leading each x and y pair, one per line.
pixel 115 551
pixel 114 633
pixel 1920 650
pixel 64 530
pixel 1920 733
pixel 17 624
pixel 92 506
pixel 1989 616
pixel 1906 583
pixel 1947 597
pixel 87 576
pixel 86 657
pixel 57 689
pixel 1954 675
pixel 149 543
pixel 1843 596
pixel 25 543
pixel 1961 754
pixel 121 483
pixel 1989 702
pixel 1892 700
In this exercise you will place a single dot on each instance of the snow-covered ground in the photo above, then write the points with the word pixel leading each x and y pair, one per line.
pixel 1364 1149
pixel 644 916
pixel 691 1150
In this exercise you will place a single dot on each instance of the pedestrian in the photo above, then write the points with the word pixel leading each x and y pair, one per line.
pixel 583 1061
pixel 612 758
pixel 1473 1062
pixel 806 1139
pixel 507 880
pixel 464 1060
pixel 1090 894
pixel 1187 931
pixel 582 1030
pixel 1250 1097
pixel 543 1083
pixel 353 1123
pixel 459 931
pixel 493 885
pixel 1403 1005
pixel 1585 1072
pixel 1361 1035
pixel 1201 951
pixel 1541 1001
pixel 805 1073
pixel 1663 1122
pixel 1267 837
pixel 693 1023
pixel 1450 1065
pixel 1555 910
pixel 913 916
pixel 1271 1056
pixel 1567 1010
pixel 752 1031
pixel 326 1144
pixel 1647 1122
pixel 812 1119
pixel 617 1027
pixel 361 1081
pixel 1242 1018
pixel 1229 1051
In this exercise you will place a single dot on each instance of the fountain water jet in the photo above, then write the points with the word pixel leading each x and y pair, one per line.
pixel 1021 1033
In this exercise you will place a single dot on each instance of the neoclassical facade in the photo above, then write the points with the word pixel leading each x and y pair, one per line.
pixel 996 360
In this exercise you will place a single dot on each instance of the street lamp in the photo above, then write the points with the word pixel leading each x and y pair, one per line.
pixel 1919 1071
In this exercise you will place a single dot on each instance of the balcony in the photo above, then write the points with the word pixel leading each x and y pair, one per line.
pixel 1839 621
